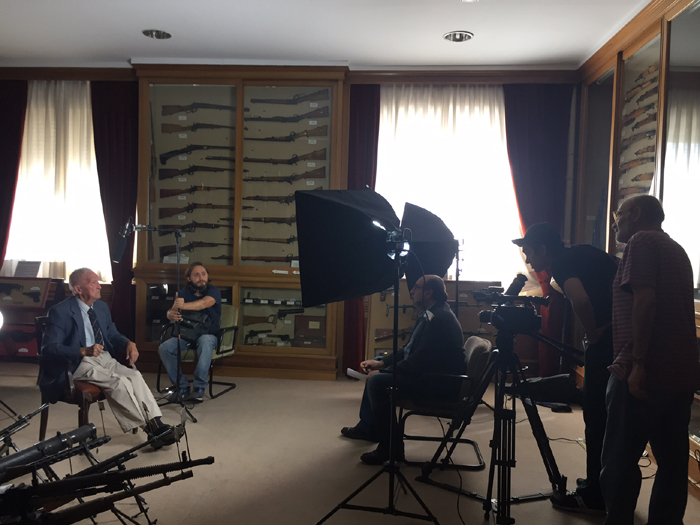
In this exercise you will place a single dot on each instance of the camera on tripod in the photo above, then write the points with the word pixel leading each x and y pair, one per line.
pixel 506 316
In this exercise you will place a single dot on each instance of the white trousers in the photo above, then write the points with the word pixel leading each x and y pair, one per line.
pixel 128 395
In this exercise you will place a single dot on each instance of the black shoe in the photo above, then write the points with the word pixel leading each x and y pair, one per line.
pixel 573 502
pixel 197 395
pixel 357 432
pixel 166 434
pixel 184 393
pixel 380 455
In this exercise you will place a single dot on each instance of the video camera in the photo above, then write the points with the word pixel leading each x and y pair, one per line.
pixel 506 316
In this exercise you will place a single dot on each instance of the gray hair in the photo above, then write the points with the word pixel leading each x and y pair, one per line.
pixel 76 278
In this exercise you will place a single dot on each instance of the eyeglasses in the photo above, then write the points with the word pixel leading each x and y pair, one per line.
pixel 616 215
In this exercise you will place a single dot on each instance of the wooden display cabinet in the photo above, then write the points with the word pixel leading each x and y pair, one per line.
pixel 222 151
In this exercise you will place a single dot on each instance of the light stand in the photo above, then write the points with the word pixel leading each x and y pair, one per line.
pixel 343 236
pixel 391 467
pixel 124 233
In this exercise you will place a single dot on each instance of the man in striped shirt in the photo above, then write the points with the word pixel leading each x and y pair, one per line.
pixel 655 368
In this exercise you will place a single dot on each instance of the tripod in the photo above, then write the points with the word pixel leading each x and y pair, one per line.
pixel 503 440
pixel 391 467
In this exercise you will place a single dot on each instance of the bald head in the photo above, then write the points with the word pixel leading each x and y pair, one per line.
pixel 637 214
pixel 428 291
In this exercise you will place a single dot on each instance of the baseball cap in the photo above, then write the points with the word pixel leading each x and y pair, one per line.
pixel 541 233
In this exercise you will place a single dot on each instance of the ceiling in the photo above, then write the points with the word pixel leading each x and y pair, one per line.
pixel 361 34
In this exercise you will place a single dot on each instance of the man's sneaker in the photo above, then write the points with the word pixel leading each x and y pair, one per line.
pixel 184 392
pixel 165 434
pixel 197 395
pixel 573 502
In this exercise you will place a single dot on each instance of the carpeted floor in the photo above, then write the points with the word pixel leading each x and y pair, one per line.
pixel 280 458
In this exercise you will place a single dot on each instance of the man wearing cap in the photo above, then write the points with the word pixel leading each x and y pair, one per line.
pixel 585 274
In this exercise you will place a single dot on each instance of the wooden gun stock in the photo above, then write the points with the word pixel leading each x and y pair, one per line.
pixel 176 128
pixel 318 173
pixel 314 155
pixel 173 109
pixel 164 157
pixel 288 240
pixel 164 213
pixel 275 220
pixel 270 258
pixel 316 113
pixel 297 99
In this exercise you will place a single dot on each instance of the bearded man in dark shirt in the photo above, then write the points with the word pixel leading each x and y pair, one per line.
pixel 585 274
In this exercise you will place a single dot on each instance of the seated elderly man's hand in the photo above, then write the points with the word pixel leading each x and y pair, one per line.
pixel 92 351
pixel 371 365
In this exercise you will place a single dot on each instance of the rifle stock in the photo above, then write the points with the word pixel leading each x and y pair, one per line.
pixel 288 240
pixel 164 213
pixel 316 113
pixel 270 258
pixel 314 155
pixel 176 128
pixel 297 99
pixel 275 220
pixel 169 250
pixel 164 157
pixel 191 190
pixel 192 108
pixel 318 173
pixel 189 227
pixel 321 131
pixel 169 173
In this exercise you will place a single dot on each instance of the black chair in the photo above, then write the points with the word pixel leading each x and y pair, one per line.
pixel 432 402
pixel 226 339
pixel 77 393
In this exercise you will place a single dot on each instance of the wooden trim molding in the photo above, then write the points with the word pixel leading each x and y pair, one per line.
pixel 464 77
pixel 638 31
pixel 68 73
pixel 165 73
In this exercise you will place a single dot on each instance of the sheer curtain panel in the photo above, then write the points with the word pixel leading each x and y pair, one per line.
pixel 444 148
pixel 57 216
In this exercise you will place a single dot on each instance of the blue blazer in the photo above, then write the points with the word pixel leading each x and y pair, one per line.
pixel 64 337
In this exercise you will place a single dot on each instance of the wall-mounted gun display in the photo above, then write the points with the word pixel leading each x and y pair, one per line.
pixel 270 258
pixel 192 108
pixel 189 227
pixel 643 177
pixel 626 143
pixel 321 131
pixel 176 128
pixel 316 113
pixel 648 149
pixel 648 94
pixel 169 173
pixel 265 198
pixel 164 157
pixel 318 173
pixel 169 250
pixel 636 162
pixel 191 190
pixel 277 220
pixel 314 155
pixel 644 74
pixel 296 99
pixel 651 118
pixel 254 334
pixel 632 190
pixel 34 296
pixel 288 240
pixel 164 213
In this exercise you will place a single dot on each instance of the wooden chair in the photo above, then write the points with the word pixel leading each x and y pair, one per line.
pixel 434 400
pixel 77 393
pixel 226 339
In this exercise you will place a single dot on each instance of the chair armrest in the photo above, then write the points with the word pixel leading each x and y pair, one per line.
pixel 220 338
pixel 441 387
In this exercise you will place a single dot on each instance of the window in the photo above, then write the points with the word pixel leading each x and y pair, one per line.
pixel 444 148
pixel 57 216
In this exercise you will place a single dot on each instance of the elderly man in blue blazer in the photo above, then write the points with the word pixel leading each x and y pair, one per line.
pixel 80 330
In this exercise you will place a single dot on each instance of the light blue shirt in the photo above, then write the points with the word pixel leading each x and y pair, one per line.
pixel 89 334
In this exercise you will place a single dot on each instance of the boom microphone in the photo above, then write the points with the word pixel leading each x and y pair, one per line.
pixel 122 240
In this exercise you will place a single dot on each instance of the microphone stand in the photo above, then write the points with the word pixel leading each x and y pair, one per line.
pixel 128 230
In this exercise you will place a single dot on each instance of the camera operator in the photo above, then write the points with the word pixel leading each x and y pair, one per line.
pixel 655 369
pixel 435 346
pixel 585 274
pixel 198 295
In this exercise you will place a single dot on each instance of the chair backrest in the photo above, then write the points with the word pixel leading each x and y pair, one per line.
pixel 229 318
pixel 40 324
pixel 476 354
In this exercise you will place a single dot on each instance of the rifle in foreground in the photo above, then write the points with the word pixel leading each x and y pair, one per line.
pixel 164 157
pixel 176 128
pixel 315 132
pixel 169 250
pixel 22 422
pixel 316 113
pixel 191 190
pixel 288 240
pixel 270 258
pixel 314 155
pixel 190 227
pixel 275 220
pixel 297 99
pixel 169 173
pixel 318 173
pixel 192 108
pixel 164 213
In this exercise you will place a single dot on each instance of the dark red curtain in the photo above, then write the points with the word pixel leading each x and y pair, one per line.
pixel 13 106
pixel 537 130
pixel 115 113
pixel 362 173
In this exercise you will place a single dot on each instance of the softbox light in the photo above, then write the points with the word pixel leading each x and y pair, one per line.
pixel 344 248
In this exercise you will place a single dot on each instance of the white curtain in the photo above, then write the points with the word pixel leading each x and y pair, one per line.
pixel 57 216
pixel 444 148
pixel 682 172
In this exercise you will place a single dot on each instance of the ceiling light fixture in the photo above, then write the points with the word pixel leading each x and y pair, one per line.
pixel 458 36
pixel 157 34
pixel 469 1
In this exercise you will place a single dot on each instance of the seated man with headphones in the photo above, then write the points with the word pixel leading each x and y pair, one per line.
pixel 199 295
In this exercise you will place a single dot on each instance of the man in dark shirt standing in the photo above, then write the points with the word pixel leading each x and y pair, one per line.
pixel 198 295
pixel 656 367
pixel 585 274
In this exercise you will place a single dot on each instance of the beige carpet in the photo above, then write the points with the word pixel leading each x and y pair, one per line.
pixel 280 458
